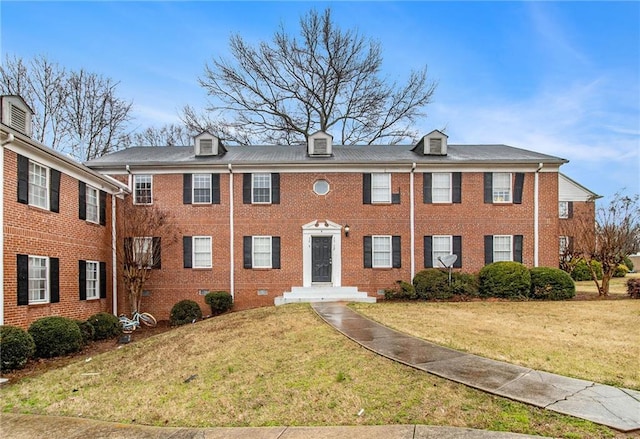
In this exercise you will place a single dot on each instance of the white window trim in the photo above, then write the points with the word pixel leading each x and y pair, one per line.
pixel 193 189
pixel 387 199
pixel 141 239
pixel 510 247
pixel 253 200
pixel 95 220
pixel 389 263
pixel 563 214
pixel 97 280
pixel 497 200
pixel 435 262
pixel 46 187
pixel 47 282
pixel 563 244
pixel 135 189
pixel 253 252
pixel 450 198
pixel 193 252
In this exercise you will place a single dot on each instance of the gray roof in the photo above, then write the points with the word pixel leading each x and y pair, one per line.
pixel 153 156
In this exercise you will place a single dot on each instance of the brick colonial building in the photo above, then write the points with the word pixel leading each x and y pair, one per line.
pixel 279 224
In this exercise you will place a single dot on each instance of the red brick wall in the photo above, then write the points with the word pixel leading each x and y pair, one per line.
pixel 299 205
pixel 34 231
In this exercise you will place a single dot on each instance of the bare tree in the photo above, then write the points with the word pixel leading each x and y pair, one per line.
pixel 166 135
pixel 328 79
pixel 147 229
pixel 76 112
pixel 613 236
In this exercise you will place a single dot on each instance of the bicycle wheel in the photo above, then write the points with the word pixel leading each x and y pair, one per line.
pixel 148 319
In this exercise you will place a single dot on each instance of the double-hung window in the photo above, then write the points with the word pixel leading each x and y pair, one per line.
pixel 563 209
pixel 142 186
pixel 564 244
pixel 381 188
pixel 441 187
pixel 261 256
pixel 93 204
pixel 261 188
pixel 441 247
pixel 38 280
pixel 201 188
pixel 143 251
pixel 502 248
pixel 202 252
pixel 38 185
pixel 381 251
pixel 93 280
pixel 501 187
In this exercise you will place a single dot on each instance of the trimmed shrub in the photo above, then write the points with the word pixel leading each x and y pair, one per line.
pixel 464 284
pixel 402 291
pixel 621 271
pixel 16 347
pixel 633 288
pixel 219 301
pixel 105 325
pixel 55 336
pixel 432 283
pixel 87 330
pixel 185 311
pixel 581 271
pixel 629 263
pixel 505 279
pixel 551 284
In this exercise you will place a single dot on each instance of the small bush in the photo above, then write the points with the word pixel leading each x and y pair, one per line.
pixel 402 291
pixel 185 311
pixel 581 271
pixel 16 347
pixel 629 263
pixel 621 271
pixel 633 288
pixel 432 283
pixel 55 336
pixel 505 279
pixel 551 284
pixel 464 285
pixel 219 301
pixel 87 330
pixel 105 325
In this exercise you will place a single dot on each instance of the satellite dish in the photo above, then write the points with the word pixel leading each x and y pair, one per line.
pixel 448 260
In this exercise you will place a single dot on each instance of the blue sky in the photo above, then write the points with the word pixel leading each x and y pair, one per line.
pixel 561 78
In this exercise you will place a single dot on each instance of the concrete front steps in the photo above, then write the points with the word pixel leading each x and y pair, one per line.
pixel 323 294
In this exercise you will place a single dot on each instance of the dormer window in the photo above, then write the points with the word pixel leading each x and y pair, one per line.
pixel 206 144
pixel 320 145
pixel 434 143
pixel 435 146
pixel 16 114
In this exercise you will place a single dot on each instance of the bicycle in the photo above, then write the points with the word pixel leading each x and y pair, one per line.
pixel 131 324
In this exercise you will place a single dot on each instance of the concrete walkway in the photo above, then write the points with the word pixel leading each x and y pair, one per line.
pixel 611 406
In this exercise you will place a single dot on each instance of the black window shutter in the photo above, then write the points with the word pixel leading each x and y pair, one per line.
pixel 82 200
pixel 427 197
pixel 54 281
pixel 275 252
pixel 128 251
pixel 517 190
pixel 488 187
pixel 488 249
pixel 186 251
pixel 517 248
pixel 428 252
pixel 54 191
pixel 23 279
pixel 367 245
pixel 570 243
pixel 186 188
pixel 247 251
pixel 23 183
pixel 82 279
pixel 215 188
pixel 246 188
pixel 103 208
pixel 570 209
pixel 103 280
pixel 366 188
pixel 457 250
pixel 275 188
pixel 396 251
pixel 456 190
pixel 156 249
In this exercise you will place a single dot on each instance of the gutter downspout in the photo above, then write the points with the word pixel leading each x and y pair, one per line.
pixel 231 236
pixel 412 220
pixel 536 221
pixel 7 141
pixel 114 270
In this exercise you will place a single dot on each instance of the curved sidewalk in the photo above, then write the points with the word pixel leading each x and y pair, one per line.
pixel 611 406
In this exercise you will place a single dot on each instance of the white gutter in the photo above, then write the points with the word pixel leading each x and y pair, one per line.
pixel 231 236
pixel 6 142
pixel 536 221
pixel 412 221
